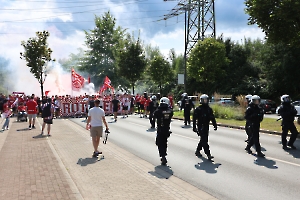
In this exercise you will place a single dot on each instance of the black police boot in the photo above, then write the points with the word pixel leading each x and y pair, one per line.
pixel 209 157
pixel 198 154
pixel 163 161
pixel 260 154
pixel 248 150
pixel 285 147
pixel 292 146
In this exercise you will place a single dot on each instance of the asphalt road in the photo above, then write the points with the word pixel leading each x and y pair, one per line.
pixel 234 174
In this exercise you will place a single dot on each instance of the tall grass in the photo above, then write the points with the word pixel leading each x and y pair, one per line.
pixel 228 112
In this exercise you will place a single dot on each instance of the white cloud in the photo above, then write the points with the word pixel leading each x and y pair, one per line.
pixel 62 44
pixel 238 35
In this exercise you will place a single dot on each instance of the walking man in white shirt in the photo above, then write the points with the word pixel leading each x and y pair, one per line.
pixel 95 121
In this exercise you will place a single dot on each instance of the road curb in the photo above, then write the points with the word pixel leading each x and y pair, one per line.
pixel 243 128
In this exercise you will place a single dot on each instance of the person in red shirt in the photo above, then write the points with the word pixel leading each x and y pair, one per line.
pixel 32 111
pixel 146 106
pixel 6 115
pixel 142 105
pixel 21 112
pixel 21 107
pixel 170 97
pixel 138 102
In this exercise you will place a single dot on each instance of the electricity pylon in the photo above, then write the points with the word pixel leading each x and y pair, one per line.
pixel 199 22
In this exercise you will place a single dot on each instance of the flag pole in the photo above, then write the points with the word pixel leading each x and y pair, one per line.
pixel 71 83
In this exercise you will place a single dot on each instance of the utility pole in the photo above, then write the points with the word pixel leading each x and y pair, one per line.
pixel 199 23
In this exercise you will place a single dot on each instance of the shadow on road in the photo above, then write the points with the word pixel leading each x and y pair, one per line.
pixel 208 166
pixel 186 126
pixel 151 130
pixel 41 136
pixel 162 171
pixel 23 129
pixel 295 153
pixel 86 161
pixel 271 164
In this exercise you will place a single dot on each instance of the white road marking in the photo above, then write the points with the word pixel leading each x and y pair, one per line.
pixel 286 162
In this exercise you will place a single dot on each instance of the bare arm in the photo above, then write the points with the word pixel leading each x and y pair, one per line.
pixel 88 123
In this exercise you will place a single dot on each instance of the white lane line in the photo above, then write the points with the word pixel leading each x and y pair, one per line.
pixel 286 162
pixel 137 124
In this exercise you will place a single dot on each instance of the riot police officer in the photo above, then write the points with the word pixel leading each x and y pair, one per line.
pixel 163 114
pixel 203 114
pixel 287 112
pixel 153 105
pixel 247 125
pixel 254 114
pixel 186 104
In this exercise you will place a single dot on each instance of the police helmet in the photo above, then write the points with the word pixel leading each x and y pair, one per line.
pixel 255 99
pixel 285 98
pixel 164 100
pixel 153 98
pixel 184 94
pixel 204 99
pixel 248 97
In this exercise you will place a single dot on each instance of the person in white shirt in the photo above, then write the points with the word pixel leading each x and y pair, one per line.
pixel 96 116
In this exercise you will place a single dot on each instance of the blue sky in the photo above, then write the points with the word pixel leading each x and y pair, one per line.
pixel 66 20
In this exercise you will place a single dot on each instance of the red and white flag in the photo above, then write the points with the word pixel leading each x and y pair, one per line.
pixel 106 85
pixel 47 92
pixel 107 81
pixel 77 81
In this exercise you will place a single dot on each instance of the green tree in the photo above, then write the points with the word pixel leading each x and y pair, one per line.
pixel 241 70
pixel 281 67
pixel 160 71
pixel 3 74
pixel 131 61
pixel 73 61
pixel 37 54
pixel 102 42
pixel 205 63
pixel 279 19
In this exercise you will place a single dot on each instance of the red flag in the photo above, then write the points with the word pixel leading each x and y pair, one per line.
pixel 107 81
pixel 77 81
pixel 89 79
pixel 47 92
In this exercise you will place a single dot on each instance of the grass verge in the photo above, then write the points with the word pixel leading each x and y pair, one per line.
pixel 267 124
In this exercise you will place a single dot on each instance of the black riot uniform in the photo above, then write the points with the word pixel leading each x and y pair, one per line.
pixel 254 114
pixel 187 104
pixel 202 116
pixel 153 105
pixel 247 125
pixel 288 112
pixel 163 114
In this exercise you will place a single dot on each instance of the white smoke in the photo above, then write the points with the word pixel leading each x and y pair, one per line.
pixel 57 81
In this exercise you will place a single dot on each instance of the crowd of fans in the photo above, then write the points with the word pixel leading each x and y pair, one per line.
pixel 126 103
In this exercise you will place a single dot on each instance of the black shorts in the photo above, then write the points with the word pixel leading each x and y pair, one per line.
pixel 115 109
pixel 142 107
pixel 57 109
pixel 125 107
pixel 48 121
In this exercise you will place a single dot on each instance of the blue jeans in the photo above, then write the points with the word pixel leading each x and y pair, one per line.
pixel 6 123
